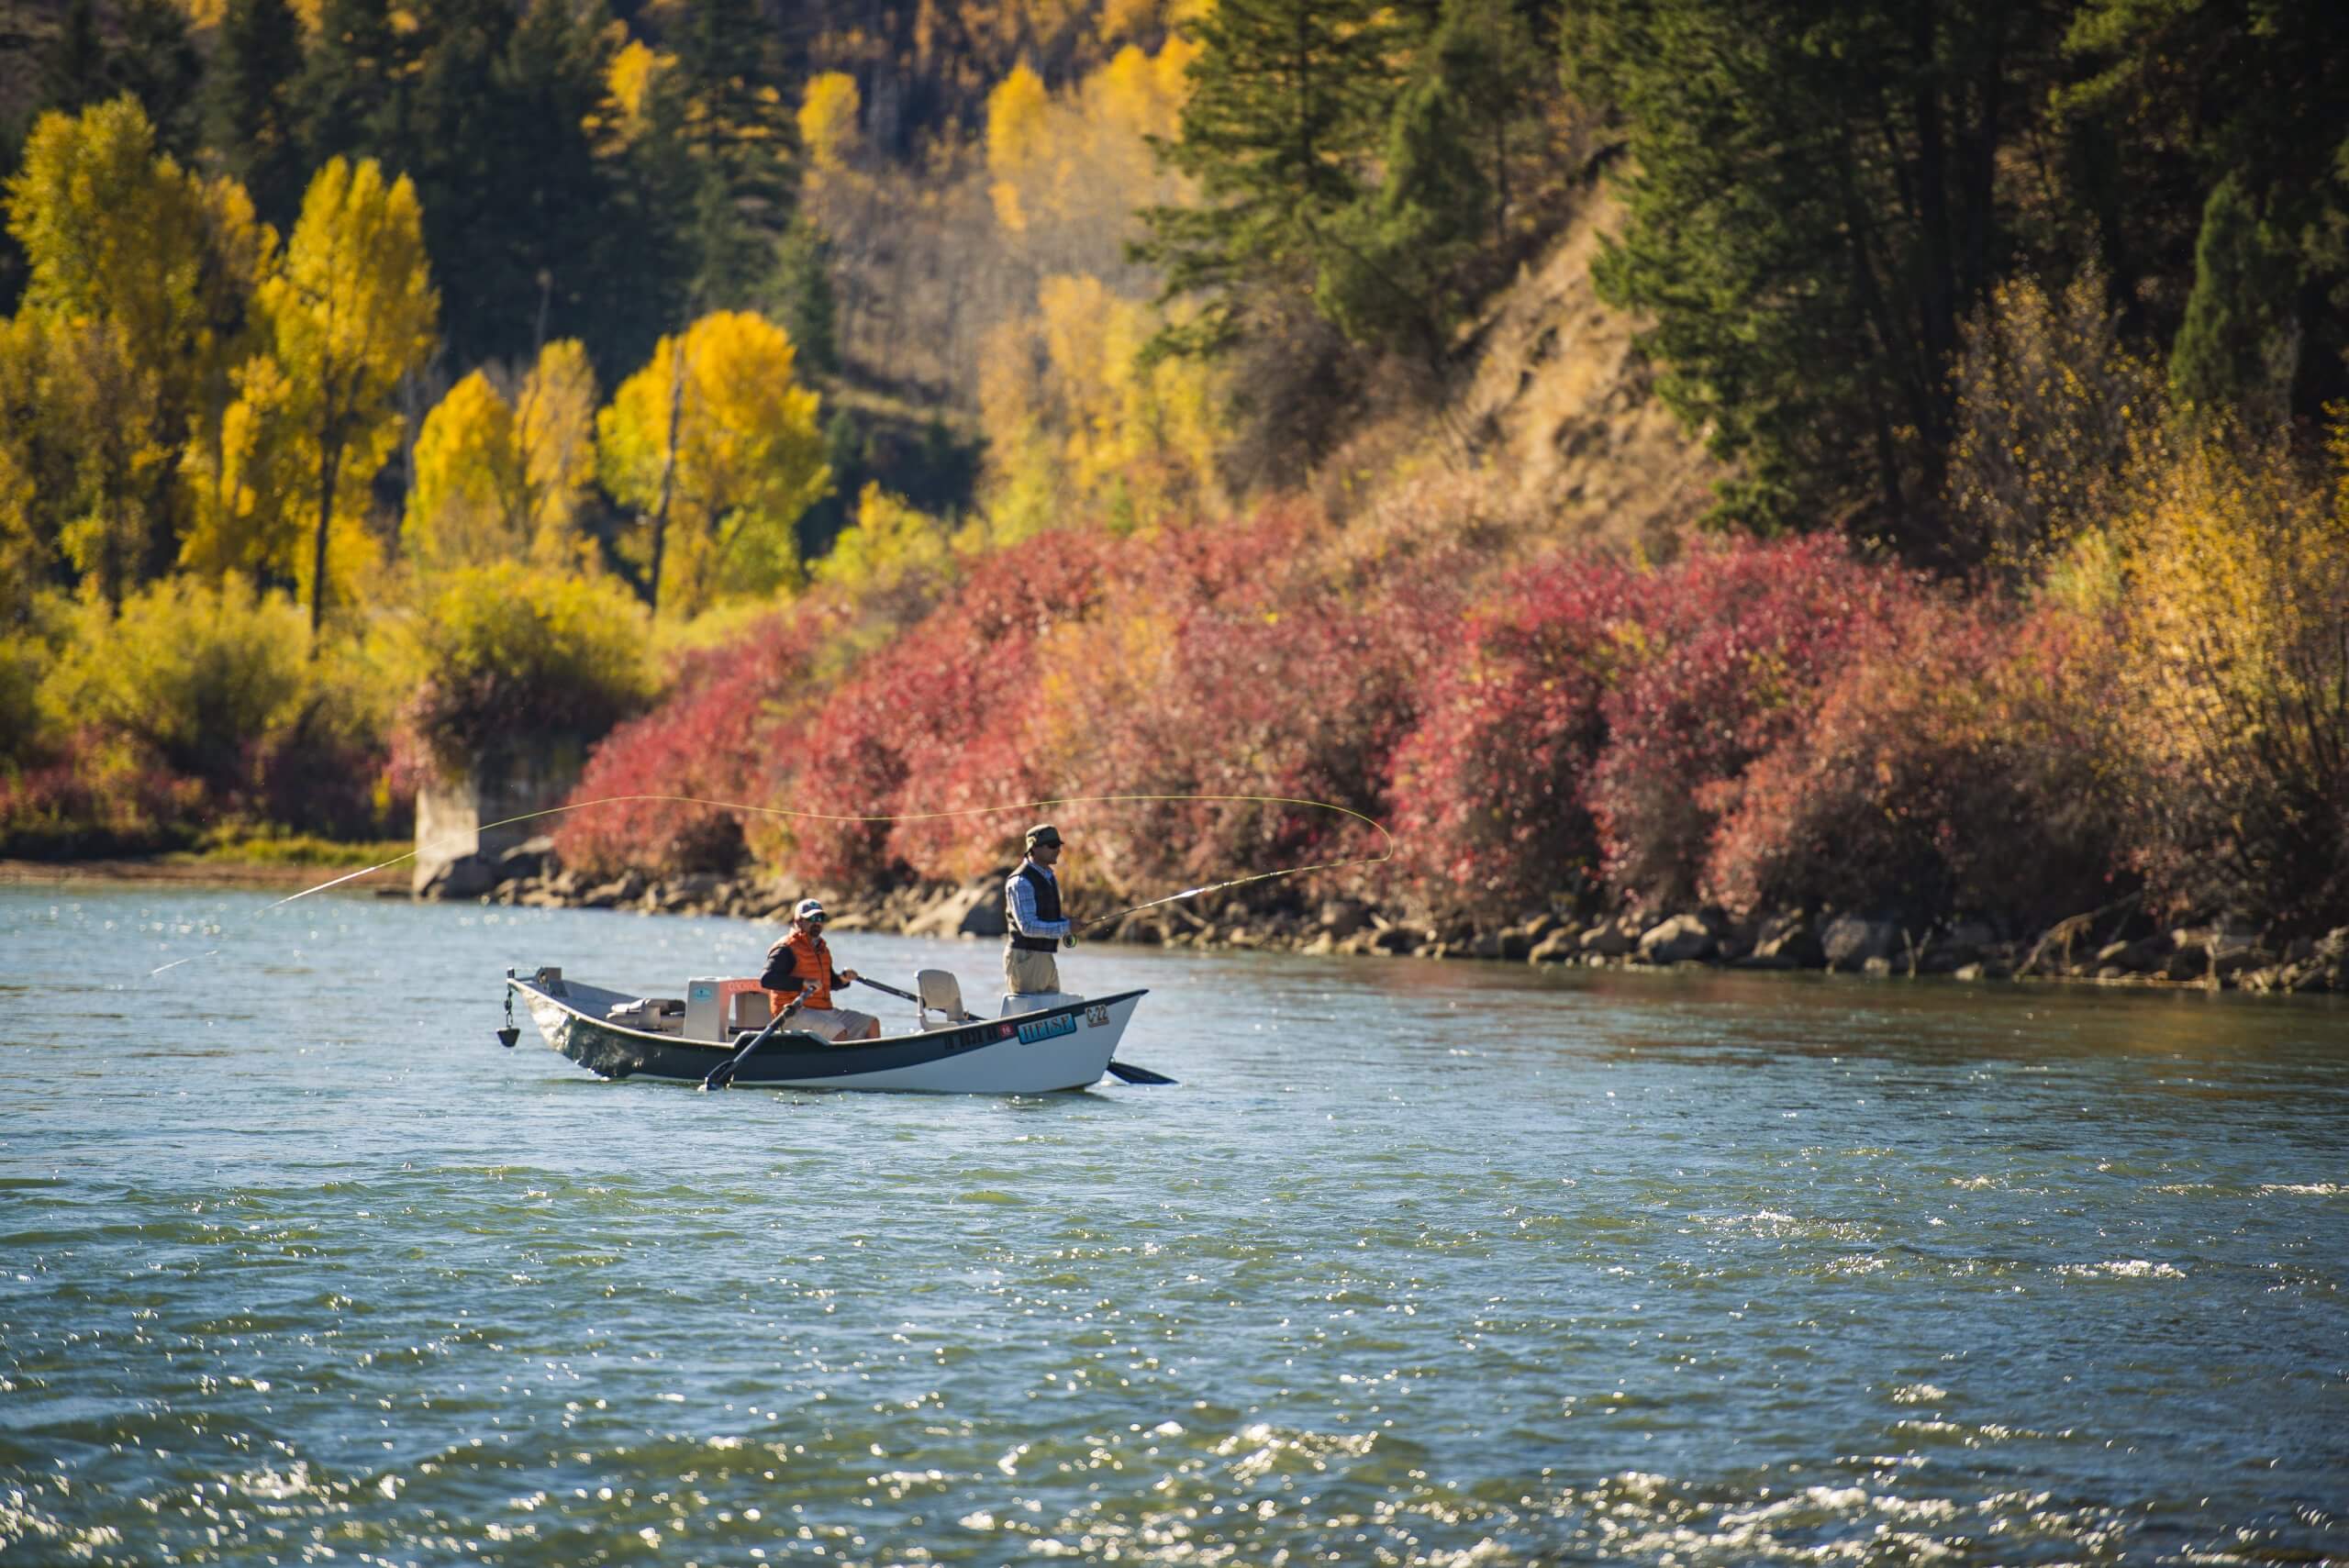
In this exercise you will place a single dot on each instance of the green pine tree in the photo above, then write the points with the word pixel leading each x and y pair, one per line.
pixel 159 65
pixel 740 127
pixel 1814 205
pixel 248 105
pixel 1287 104
pixel 74 67
pixel 801 296
pixel 351 98
pixel 2234 354
pixel 565 232
pixel 1408 268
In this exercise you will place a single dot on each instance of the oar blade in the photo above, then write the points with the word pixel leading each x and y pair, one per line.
pixel 1133 1074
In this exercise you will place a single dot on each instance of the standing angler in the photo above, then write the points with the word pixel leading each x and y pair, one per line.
pixel 1031 902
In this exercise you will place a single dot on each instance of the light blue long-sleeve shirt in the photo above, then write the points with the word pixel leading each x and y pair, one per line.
pixel 1019 906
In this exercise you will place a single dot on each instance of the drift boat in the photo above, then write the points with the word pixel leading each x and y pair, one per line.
pixel 1065 1044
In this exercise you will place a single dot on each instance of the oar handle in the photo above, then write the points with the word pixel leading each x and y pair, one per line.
pixel 909 996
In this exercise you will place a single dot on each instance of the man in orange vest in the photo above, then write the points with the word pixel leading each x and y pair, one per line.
pixel 800 961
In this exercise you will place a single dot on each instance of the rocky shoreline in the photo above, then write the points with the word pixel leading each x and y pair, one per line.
pixel 2117 945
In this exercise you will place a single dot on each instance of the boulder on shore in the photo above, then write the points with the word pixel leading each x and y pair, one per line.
pixel 973 909
pixel 1684 938
pixel 1850 941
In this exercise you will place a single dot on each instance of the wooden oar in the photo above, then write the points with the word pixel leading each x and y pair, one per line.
pixel 721 1075
pixel 1130 1074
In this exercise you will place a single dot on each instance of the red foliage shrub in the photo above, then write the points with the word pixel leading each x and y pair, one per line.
pixel 1490 786
pixel 727 708
pixel 932 722
pixel 1948 770
pixel 1737 641
pixel 95 800
pixel 1268 679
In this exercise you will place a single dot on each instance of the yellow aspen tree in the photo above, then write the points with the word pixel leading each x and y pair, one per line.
pixel 498 480
pixel 636 73
pixel 141 275
pixel 555 421
pixel 351 312
pixel 244 479
pixel 716 444
pixel 467 506
pixel 890 541
pixel 1019 113
pixel 24 553
pixel 828 115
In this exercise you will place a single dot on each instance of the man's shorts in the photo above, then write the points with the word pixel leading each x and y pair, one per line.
pixel 1026 974
pixel 835 1024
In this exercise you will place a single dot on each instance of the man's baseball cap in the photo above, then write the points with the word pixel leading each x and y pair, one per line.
pixel 1043 833
pixel 808 909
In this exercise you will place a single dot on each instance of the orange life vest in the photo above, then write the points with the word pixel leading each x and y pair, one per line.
pixel 812 962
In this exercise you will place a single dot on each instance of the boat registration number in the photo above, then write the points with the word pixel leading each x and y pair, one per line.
pixel 1045 1029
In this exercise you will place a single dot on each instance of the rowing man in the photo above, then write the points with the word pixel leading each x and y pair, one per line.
pixel 1031 905
pixel 800 961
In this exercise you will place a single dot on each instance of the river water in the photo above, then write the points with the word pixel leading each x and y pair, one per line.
pixel 1421 1262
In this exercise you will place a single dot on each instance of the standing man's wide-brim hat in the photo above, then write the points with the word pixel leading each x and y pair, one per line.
pixel 1043 833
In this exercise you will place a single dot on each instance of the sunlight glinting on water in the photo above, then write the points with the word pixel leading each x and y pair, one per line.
pixel 1420 1264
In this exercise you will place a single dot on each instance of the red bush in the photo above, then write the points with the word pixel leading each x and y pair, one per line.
pixel 93 801
pixel 1945 771
pixel 710 739
pixel 1490 787
pixel 1737 642
pixel 932 722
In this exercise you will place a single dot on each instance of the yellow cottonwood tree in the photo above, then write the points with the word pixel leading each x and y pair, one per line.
pixel 716 444
pixel 496 481
pixel 242 476
pixel 1073 414
pixel 466 508
pixel 890 541
pixel 1018 139
pixel 554 418
pixel 141 279
pixel 351 311
pixel 828 113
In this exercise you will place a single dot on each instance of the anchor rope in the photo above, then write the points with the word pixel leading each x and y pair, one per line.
pixel 1385 855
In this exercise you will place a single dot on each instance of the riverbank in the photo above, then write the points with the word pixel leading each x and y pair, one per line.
pixel 2117 945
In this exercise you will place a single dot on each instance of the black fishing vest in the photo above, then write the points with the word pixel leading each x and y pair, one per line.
pixel 1048 907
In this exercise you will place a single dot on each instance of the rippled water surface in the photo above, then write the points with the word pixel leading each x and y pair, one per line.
pixel 1420 1264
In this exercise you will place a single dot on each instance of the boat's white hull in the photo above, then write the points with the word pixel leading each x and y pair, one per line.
pixel 1065 1047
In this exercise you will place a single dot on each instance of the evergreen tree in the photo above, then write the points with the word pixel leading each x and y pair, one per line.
pixel 2234 354
pixel 250 112
pixel 1405 273
pixel 1814 207
pixel 74 73
pixel 801 296
pixel 651 283
pixel 1287 102
pixel 2185 96
pixel 565 233
pixel 744 137
pixel 158 65
pixel 351 98
pixel 470 181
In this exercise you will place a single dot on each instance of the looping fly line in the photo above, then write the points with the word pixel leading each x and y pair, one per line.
pixel 1385 854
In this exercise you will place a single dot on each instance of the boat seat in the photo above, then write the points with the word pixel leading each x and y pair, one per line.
pixel 939 992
